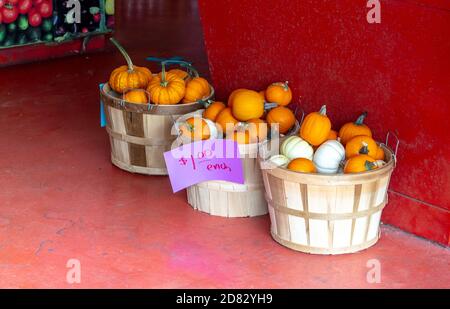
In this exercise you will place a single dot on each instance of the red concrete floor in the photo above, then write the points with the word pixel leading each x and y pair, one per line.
pixel 61 198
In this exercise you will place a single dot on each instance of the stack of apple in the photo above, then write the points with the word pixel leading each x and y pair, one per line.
pixel 246 117
pixel 319 149
pixel 25 21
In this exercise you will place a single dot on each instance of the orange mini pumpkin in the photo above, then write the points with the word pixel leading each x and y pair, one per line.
pixel 137 96
pixel 213 110
pixel 316 127
pixel 379 155
pixel 128 76
pixel 258 129
pixel 253 131
pixel 262 93
pixel 279 93
pixel 195 129
pixel 226 120
pixel 232 95
pixel 168 89
pixel 283 116
pixel 333 135
pixel 241 137
pixel 180 73
pixel 247 104
pixel 359 163
pixel 361 145
pixel 196 89
pixel 352 129
pixel 302 165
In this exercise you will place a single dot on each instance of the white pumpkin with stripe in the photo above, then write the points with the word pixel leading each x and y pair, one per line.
pixel 295 147
pixel 279 160
pixel 328 157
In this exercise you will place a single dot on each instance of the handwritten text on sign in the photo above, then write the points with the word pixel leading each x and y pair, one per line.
pixel 203 161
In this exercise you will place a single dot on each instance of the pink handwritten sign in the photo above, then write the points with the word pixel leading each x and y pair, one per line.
pixel 203 161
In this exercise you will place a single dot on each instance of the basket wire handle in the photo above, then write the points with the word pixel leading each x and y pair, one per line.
pixel 388 135
pixel 205 103
pixel 297 109
pixel 176 61
pixel 150 105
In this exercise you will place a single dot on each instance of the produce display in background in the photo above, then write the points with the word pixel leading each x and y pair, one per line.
pixel 25 21
pixel 92 12
pixel 32 21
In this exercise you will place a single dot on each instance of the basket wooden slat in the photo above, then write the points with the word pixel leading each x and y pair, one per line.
pixel 139 133
pixel 327 214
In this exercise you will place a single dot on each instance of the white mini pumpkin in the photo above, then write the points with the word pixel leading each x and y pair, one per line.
pixel 328 157
pixel 279 160
pixel 295 147
pixel 213 131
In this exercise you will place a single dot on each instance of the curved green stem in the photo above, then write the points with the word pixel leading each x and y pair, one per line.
pixel 164 82
pixel 124 53
pixel 360 120
pixel 286 86
pixel 323 110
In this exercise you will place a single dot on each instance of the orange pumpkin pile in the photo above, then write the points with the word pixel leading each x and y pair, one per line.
pixel 138 85
pixel 320 149
pixel 244 118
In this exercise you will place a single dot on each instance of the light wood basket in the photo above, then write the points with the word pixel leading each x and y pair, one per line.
pixel 227 199
pixel 326 214
pixel 140 133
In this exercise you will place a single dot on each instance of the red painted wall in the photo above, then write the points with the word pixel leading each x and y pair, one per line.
pixel 399 71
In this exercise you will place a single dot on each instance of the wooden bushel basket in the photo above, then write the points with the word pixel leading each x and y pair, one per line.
pixel 227 199
pixel 326 214
pixel 140 133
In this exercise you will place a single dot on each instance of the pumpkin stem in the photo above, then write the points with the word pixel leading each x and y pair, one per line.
pixel 369 165
pixel 360 120
pixel 364 149
pixel 286 86
pixel 269 105
pixel 323 110
pixel 163 74
pixel 190 127
pixel 124 53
